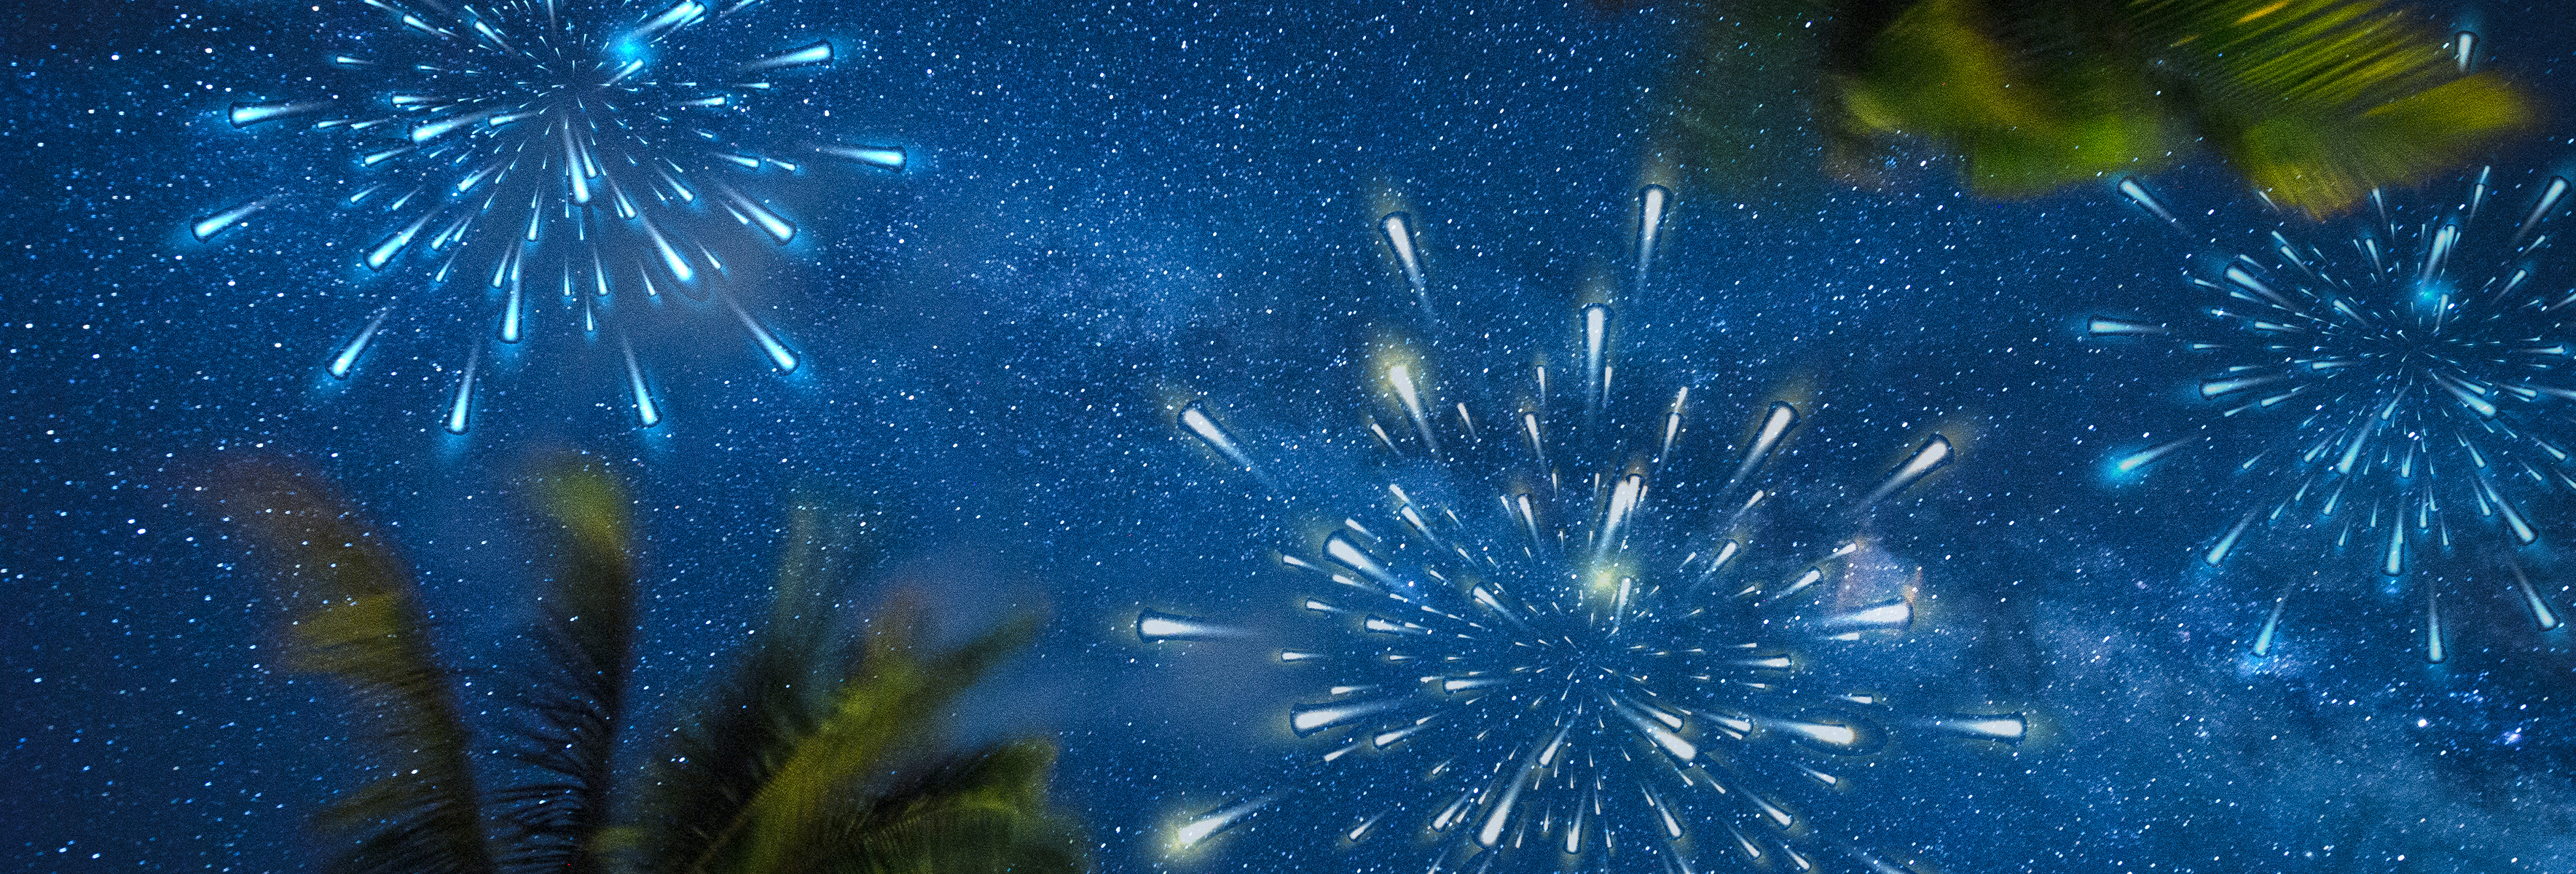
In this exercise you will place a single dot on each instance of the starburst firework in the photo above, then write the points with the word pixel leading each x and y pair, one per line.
pixel 2401 381
pixel 594 153
pixel 1570 634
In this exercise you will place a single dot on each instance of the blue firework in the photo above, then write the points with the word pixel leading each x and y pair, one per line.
pixel 1567 632
pixel 528 150
pixel 2397 380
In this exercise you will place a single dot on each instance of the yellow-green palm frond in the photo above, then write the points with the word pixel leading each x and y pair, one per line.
pixel 983 812
pixel 2315 101
pixel 792 764
pixel 352 614
pixel 753 719
pixel 2026 110
pixel 2320 101
pixel 887 710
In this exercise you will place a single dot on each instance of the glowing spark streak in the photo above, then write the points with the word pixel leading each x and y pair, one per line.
pixel 1894 615
pixel 1934 454
pixel 2101 327
pixel 348 356
pixel 646 412
pixel 1153 626
pixel 1651 201
pixel 881 157
pixel 432 130
pixel 2271 624
pixel 778 228
pixel 1400 377
pixel 1596 350
pixel 2440 256
pixel 1399 235
pixel 2540 611
pixel 2149 455
pixel 1673 421
pixel 247 114
pixel 2220 387
pixel 2540 212
pixel 670 257
pixel 2218 552
pixel 1340 548
pixel 2512 517
pixel 1216 821
pixel 1673 744
pixel 1823 733
pixel 770 345
pixel 456 409
pixel 817 53
pixel 1195 418
pixel 1623 501
pixel 510 314
pixel 681 14
pixel 1491 834
pixel 2433 651
pixel 385 251
pixel 2010 729
pixel 1775 425
pixel 1309 719
pixel 2139 195
pixel 211 225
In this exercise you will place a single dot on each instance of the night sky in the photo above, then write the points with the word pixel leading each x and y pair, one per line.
pixel 1110 210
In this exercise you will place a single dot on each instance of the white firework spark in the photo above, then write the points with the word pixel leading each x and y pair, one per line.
pixel 586 152
pixel 1562 636
pixel 2400 380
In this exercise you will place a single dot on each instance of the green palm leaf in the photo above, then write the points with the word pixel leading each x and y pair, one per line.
pixel 352 614
pixel 2315 101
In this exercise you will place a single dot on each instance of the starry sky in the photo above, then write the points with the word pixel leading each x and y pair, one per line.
pixel 1113 207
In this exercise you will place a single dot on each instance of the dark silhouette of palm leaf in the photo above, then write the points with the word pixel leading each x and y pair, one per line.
pixel 809 757
pixel 577 698
pixel 753 719
pixel 979 813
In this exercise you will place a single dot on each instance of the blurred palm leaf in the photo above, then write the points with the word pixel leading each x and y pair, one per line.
pixel 577 694
pixel 2315 101
pixel 816 754
pixel 352 614
pixel 2320 101
pixel 790 768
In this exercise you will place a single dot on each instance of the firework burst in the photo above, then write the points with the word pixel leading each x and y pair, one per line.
pixel 589 153
pixel 2400 381
pixel 1568 635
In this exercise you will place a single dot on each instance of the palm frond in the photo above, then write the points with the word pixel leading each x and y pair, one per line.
pixel 1737 102
pixel 983 812
pixel 753 719
pixel 352 614
pixel 878 716
pixel 2320 101
pixel 577 698
pixel 2315 101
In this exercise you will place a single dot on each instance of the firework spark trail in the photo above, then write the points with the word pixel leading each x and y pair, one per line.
pixel 2401 382
pixel 1561 634
pixel 591 153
